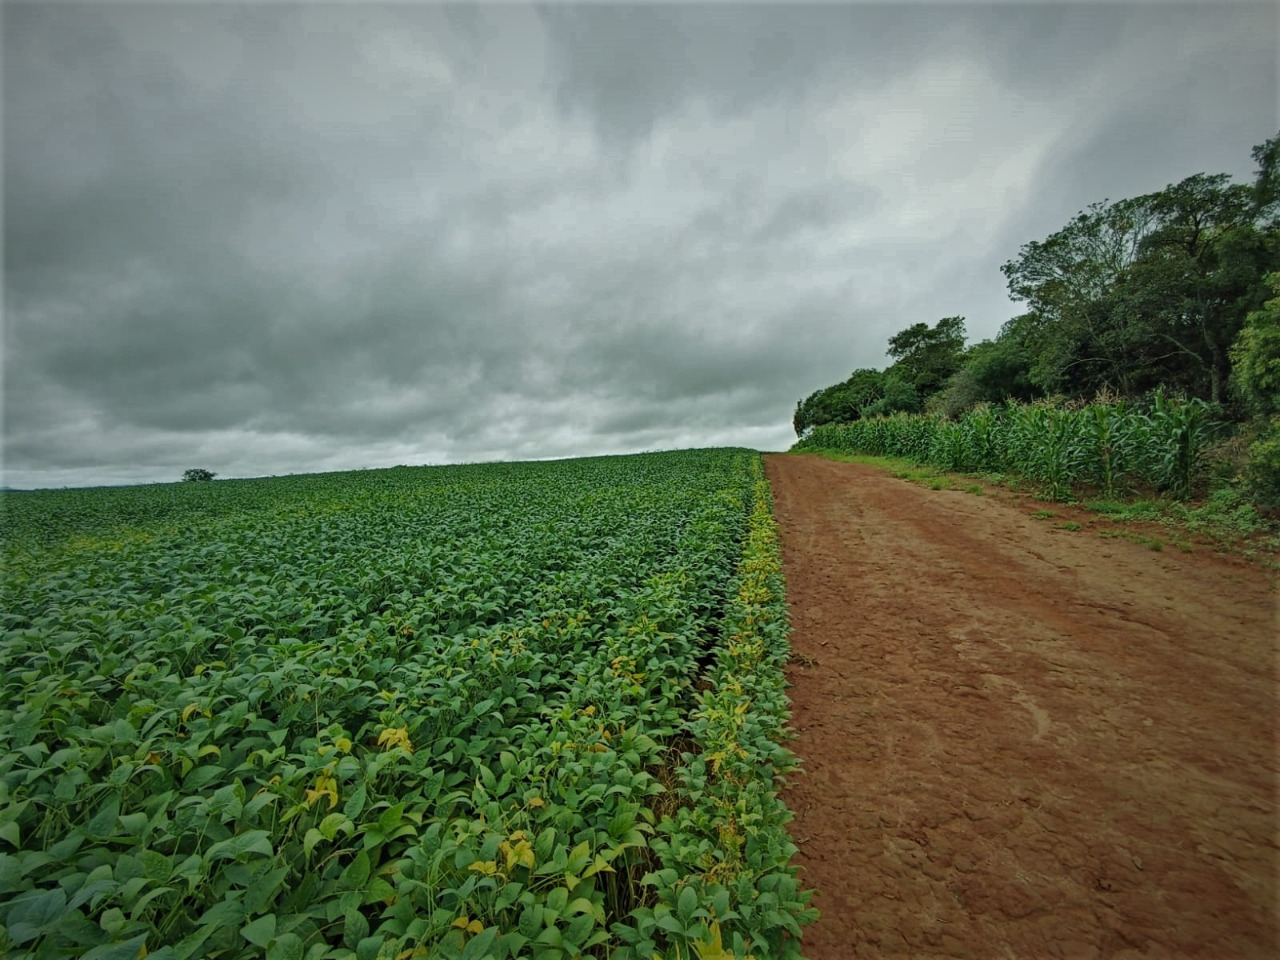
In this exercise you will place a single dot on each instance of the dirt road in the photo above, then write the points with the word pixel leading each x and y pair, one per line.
pixel 1022 741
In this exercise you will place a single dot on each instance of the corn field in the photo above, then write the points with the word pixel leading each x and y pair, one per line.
pixel 1109 446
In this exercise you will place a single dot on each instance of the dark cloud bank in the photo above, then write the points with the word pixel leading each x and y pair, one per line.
pixel 274 238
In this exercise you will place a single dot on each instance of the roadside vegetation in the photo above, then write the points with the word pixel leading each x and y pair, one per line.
pixel 492 711
pixel 1148 360
pixel 1224 520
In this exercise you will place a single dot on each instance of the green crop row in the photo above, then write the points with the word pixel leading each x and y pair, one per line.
pixel 430 712
pixel 1104 445
pixel 727 846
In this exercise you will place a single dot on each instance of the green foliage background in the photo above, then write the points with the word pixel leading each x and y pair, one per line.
pixel 1161 295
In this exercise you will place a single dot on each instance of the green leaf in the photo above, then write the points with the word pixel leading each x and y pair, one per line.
pixel 263 890
pixel 224 913
pixel 255 805
pixel 134 824
pixel 330 825
pixel 579 930
pixel 720 903
pixel 354 929
pixel 686 904
pixel 557 899
pixel 201 777
pixel 254 841
pixel 261 931
pixel 155 865
pixel 125 950
pixel 10 832
pixel 32 915
pixel 137 910
pixel 357 872
pixel 355 803
pixel 76 927
pixel 531 920
pixel 113 921
pixel 508 895
pixel 671 924
pixel 579 857
pixel 584 905
pixel 287 946
pixel 478 946
pixel 65 788
pixel 377 890
pixel 391 818
pixel 103 823
pixel 10 873
pixel 550 937
pixel 92 892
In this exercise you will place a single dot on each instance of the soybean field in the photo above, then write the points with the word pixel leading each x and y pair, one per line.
pixel 499 710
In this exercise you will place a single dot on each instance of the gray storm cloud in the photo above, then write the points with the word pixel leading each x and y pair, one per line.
pixel 271 238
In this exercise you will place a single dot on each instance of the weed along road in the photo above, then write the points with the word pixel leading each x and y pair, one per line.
pixel 1022 741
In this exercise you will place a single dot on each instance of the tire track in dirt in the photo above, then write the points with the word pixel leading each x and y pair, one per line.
pixel 1020 741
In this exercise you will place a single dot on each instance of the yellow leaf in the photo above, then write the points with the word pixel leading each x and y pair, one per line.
pixel 393 737
pixel 600 865
pixel 537 802
pixel 343 744
pixel 475 926
pixel 713 949
pixel 487 867
pixel 326 786
pixel 461 922
pixel 519 853
pixel 188 710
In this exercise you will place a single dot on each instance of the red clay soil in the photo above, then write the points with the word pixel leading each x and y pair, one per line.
pixel 1021 741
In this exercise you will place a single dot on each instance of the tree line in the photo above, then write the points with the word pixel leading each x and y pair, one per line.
pixel 1168 291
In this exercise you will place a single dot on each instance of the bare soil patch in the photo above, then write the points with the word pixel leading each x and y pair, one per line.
pixel 1019 740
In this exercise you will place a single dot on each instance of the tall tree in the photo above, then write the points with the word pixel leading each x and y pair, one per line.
pixel 866 392
pixel 1266 184
pixel 1066 280
pixel 1198 276
pixel 1256 352
pixel 1147 291
pixel 926 356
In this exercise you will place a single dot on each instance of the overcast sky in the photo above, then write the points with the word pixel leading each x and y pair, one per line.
pixel 267 238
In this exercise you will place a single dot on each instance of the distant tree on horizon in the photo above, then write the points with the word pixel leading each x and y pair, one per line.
pixel 197 475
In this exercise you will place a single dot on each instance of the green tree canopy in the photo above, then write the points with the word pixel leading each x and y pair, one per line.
pixel 1145 292
pixel 866 392
pixel 1130 296
pixel 1256 352
pixel 926 356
